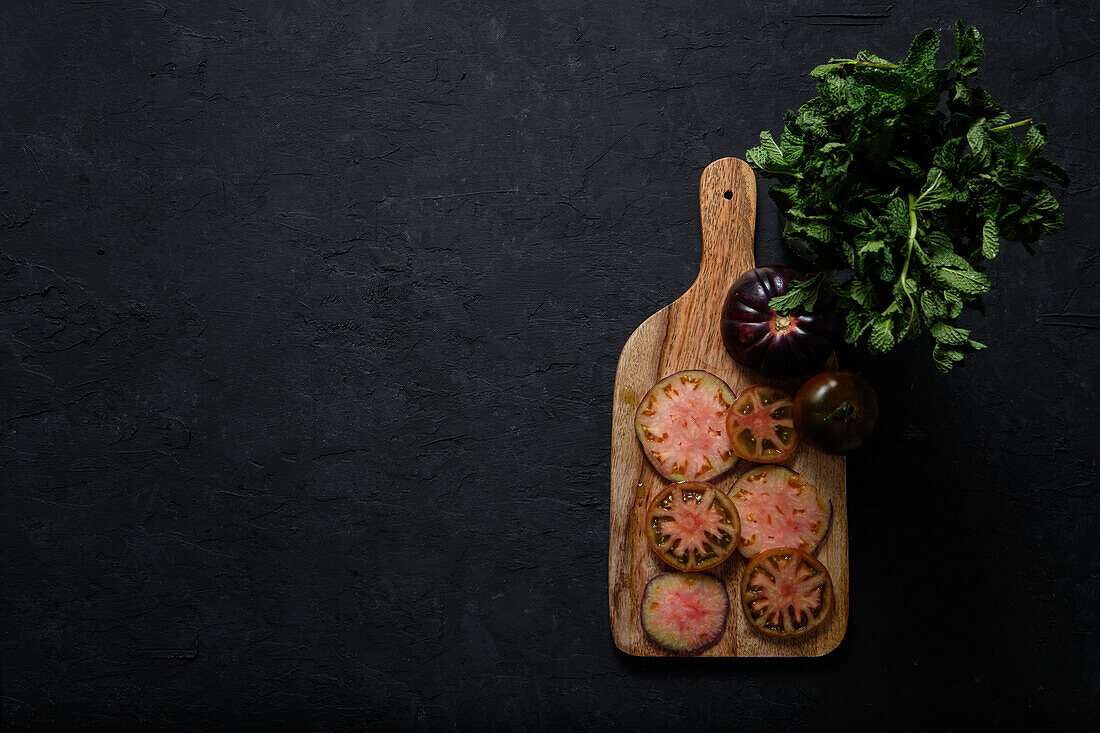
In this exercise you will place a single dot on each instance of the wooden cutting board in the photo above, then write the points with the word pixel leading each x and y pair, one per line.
pixel 685 335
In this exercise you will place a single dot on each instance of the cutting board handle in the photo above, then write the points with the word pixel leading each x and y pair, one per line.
pixel 727 207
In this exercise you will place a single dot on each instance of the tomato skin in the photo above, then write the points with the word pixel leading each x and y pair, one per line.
pixel 775 345
pixel 836 410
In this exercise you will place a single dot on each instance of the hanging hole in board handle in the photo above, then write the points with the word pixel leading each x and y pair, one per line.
pixel 728 195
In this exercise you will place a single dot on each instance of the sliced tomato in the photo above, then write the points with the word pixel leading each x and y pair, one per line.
pixel 685 612
pixel 681 424
pixel 786 593
pixel 778 508
pixel 692 526
pixel 760 425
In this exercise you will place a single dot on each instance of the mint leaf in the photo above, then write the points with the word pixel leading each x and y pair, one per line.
pixel 946 358
pixel 947 334
pixel 991 242
pixel 757 158
pixel 790 146
pixel 949 258
pixel 936 193
pixel 1034 141
pixel 970 48
pixel 1045 201
pixel 932 305
pixel 856 324
pixel 771 150
pixel 965 281
pixel 922 51
pixel 1050 169
pixel 980 143
pixel 882 335
pixel 800 294
pixel 862 292
pixel 783 304
pixel 954 303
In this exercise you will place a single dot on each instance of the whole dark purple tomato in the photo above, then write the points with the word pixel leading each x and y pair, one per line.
pixel 775 345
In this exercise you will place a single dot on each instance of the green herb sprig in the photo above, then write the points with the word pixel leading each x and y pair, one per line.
pixel 898 182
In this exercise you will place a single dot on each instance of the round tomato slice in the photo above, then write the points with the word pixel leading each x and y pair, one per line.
pixel 692 526
pixel 681 424
pixel 685 612
pixel 786 593
pixel 760 425
pixel 778 509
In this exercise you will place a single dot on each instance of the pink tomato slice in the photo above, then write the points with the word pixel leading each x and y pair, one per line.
pixel 685 612
pixel 778 508
pixel 681 424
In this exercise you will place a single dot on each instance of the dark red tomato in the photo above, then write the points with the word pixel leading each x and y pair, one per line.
pixel 836 410
pixel 775 345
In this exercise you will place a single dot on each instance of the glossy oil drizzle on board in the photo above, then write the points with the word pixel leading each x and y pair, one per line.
pixel 685 335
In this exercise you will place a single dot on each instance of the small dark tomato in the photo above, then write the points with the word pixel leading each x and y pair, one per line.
pixel 775 345
pixel 836 410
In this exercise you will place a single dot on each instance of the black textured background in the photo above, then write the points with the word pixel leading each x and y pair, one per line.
pixel 310 318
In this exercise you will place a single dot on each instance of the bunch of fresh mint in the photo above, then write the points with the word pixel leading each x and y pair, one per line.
pixel 898 182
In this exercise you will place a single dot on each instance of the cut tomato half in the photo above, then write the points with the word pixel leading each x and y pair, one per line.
pixel 760 425
pixel 786 593
pixel 685 612
pixel 778 508
pixel 692 526
pixel 681 424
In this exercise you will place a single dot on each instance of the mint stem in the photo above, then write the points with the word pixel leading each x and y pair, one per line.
pixel 909 255
pixel 1021 123
pixel 871 64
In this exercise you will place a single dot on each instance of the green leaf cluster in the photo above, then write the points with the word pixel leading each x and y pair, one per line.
pixel 898 181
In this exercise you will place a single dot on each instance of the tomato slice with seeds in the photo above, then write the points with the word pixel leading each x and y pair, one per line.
pixel 692 526
pixel 761 426
pixel 778 508
pixel 786 593
pixel 681 424
pixel 685 612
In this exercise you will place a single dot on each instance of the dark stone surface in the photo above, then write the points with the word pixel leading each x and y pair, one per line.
pixel 310 319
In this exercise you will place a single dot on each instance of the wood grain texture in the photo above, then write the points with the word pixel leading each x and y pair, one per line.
pixel 685 335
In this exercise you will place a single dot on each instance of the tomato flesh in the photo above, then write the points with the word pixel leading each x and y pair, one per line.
pixel 760 425
pixel 778 508
pixel 685 612
pixel 681 423
pixel 692 526
pixel 786 593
